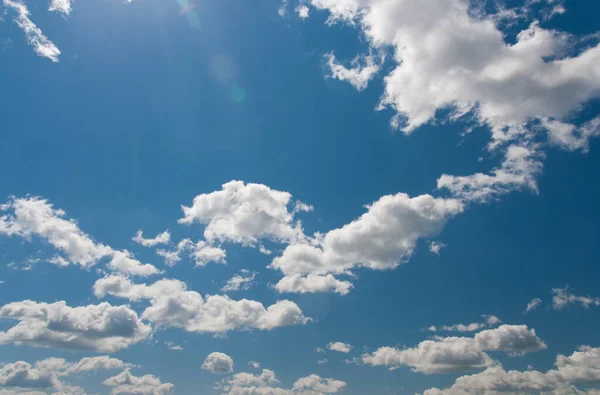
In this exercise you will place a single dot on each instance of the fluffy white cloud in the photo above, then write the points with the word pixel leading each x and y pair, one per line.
pixel 435 247
pixel 511 338
pixel 245 213
pixel 339 347
pixel 63 6
pixel 171 304
pixel 442 355
pixel 101 327
pixel 313 283
pixel 254 364
pixel 448 55
pixel 201 252
pixel 319 385
pixel 126 383
pixel 265 384
pixel 363 69
pixel 242 281
pixel 381 239
pixel 571 137
pixel 533 304
pixel 489 320
pixel 40 43
pixel 34 216
pixel 45 374
pixel 562 298
pixel 161 238
pixel 302 11
pixel 519 169
pixel 218 362
pixel 582 367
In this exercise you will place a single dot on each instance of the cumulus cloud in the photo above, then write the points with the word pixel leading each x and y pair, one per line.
pixel 266 383
pixel 533 304
pixel 40 43
pixel 102 327
pixel 302 10
pixel 240 282
pixel 581 368
pixel 34 216
pixel 339 347
pixel 381 239
pixel 362 69
pixel 201 252
pixel 45 374
pixel 489 320
pixel 435 247
pixel 442 355
pixel 161 238
pixel 562 298
pixel 218 363
pixel 172 304
pixel 511 338
pixel 63 6
pixel 244 213
pixel 126 383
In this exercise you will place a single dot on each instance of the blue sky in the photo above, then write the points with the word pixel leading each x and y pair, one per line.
pixel 358 197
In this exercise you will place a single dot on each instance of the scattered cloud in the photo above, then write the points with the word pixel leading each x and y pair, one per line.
pixel 339 347
pixel 254 364
pixel 34 216
pixel 489 320
pixel 218 363
pixel 435 247
pixel 172 304
pixel 322 361
pixel 244 213
pixel 161 238
pixel 562 298
pixel 381 239
pixel 240 282
pixel 582 367
pixel 302 10
pixel 126 383
pixel 516 339
pixel 40 43
pixel 533 304
pixel 173 346
pixel 63 6
pixel 102 327
pixel 362 69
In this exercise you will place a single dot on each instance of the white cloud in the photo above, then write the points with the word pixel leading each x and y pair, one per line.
pixel 34 216
pixel 447 56
pixel 244 213
pixel 489 320
pixel 322 361
pixel 518 171
pixel 239 282
pixel 126 383
pixel 45 374
pixel 442 355
pixel 63 6
pixel 362 69
pixel 533 304
pixel 254 364
pixel 313 283
pixel 511 338
pixel 161 238
pixel 218 363
pixel 302 11
pixel 562 298
pixel 435 247
pixel 582 367
pixel 381 239
pixel 265 384
pixel 201 252
pixel 339 347
pixel 101 327
pixel 171 304
pixel 319 350
pixel 319 385
pixel 40 43
pixel 173 347
pixel 571 137
pixel 282 10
